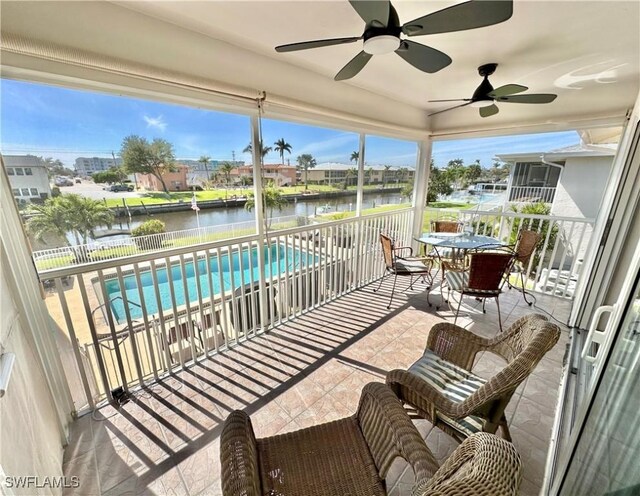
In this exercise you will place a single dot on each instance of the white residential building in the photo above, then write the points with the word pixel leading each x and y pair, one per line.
pixel 28 177
pixel 86 166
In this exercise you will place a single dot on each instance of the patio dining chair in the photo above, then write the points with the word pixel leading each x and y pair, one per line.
pixel 483 279
pixel 444 256
pixel 352 456
pixel 442 388
pixel 525 246
pixel 403 266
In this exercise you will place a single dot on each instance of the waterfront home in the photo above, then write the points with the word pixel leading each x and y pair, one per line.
pixel 29 178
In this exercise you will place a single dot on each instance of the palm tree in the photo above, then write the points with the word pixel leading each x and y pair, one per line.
pixel 306 162
pixel 51 218
pixel 272 200
pixel 351 173
pixel 225 169
pixel 263 150
pixel 387 168
pixel 282 146
pixel 367 175
pixel 204 160
pixel 354 156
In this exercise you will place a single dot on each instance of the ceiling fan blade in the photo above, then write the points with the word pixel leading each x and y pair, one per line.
pixel 489 111
pixel 450 108
pixel 468 15
pixel 305 45
pixel 375 12
pixel 354 66
pixel 507 89
pixel 454 100
pixel 533 98
pixel 422 57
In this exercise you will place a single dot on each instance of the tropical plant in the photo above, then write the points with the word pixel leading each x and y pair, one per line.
pixel 439 184
pixel 354 156
pixel 282 146
pixel 542 226
pixel 306 162
pixel 272 199
pixel 367 175
pixel 263 150
pixel 204 160
pixel 385 175
pixel 147 228
pixel 69 213
pixel 473 172
pixel 225 169
pixel 141 156
pixel 352 173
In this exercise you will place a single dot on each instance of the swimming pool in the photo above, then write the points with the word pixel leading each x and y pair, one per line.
pixel 281 258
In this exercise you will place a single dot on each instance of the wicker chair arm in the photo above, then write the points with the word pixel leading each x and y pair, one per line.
pixel 493 467
pixel 239 457
pixel 455 344
pixel 417 392
pixel 389 432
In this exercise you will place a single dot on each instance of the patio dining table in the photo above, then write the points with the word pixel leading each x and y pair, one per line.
pixel 458 244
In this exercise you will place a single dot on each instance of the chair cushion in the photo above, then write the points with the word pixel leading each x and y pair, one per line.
pixel 410 266
pixel 456 280
pixel 453 382
pixel 325 459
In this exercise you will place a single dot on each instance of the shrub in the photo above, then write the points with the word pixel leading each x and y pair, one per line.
pixel 153 226
pixel 55 191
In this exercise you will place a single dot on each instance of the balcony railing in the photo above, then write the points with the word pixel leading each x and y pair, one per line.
pixel 555 268
pixel 527 194
pixel 134 319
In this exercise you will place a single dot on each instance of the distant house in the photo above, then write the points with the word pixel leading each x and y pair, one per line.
pixel 557 177
pixel 336 173
pixel 28 177
pixel 175 181
pixel 281 175
pixel 199 173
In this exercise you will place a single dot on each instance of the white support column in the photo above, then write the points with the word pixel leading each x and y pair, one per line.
pixel 420 185
pixel 360 191
pixel 259 217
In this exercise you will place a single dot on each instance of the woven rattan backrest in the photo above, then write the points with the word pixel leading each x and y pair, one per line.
pixel 527 242
pixel 387 250
pixel 536 338
pixel 486 270
pixel 446 226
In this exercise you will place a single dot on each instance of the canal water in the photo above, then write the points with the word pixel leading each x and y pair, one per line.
pixel 177 221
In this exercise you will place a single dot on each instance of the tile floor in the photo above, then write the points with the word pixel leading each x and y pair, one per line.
pixel 311 370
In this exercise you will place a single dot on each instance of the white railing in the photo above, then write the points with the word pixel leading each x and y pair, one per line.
pixel 112 249
pixel 555 268
pixel 151 313
pixel 528 194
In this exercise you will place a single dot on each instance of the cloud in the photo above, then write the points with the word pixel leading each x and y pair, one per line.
pixel 156 122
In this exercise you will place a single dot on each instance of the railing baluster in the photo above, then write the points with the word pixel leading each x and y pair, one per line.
pixel 243 293
pixel 177 330
pixel 163 336
pixel 74 343
pixel 226 320
pixel 145 319
pixel 132 334
pixel 212 303
pixel 199 327
pixel 94 336
pixel 234 300
pixel 112 329
pixel 567 247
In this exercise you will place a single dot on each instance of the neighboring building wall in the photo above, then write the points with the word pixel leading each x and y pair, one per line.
pixel 581 186
pixel 175 181
pixel 28 177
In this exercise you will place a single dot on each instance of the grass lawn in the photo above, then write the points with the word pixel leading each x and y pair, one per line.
pixel 155 198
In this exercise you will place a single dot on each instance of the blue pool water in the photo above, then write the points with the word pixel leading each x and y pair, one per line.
pixel 288 257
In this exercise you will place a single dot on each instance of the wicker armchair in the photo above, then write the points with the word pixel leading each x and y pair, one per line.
pixel 442 388
pixel 525 246
pixel 403 266
pixel 350 456
pixel 482 465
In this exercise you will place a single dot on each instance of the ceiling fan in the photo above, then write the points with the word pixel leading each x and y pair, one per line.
pixel 382 32
pixel 484 96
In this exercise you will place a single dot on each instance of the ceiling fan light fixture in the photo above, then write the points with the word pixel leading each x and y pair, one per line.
pixel 481 103
pixel 384 43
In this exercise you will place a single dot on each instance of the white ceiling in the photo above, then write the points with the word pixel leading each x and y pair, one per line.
pixel 587 52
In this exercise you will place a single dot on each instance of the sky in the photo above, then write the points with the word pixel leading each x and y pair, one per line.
pixel 64 124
